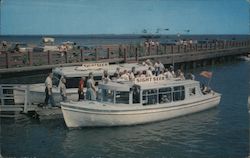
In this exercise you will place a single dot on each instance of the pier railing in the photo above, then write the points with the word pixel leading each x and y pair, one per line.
pixel 111 53
pixel 9 93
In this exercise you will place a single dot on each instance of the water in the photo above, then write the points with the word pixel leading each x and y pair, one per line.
pixel 221 132
pixel 113 39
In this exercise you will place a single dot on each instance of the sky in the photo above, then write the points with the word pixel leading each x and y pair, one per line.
pixel 77 17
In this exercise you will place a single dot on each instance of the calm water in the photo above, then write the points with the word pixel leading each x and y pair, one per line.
pixel 114 39
pixel 219 132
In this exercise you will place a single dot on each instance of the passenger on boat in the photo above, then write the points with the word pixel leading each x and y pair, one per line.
pixel 117 72
pixel 156 68
pixel 63 89
pixel 190 76
pixel 205 89
pixel 161 66
pixel 149 72
pixel 105 76
pixel 48 91
pixel 171 69
pixel 91 89
pixel 168 74
pixel 179 74
pixel 161 74
pixel 80 89
pixel 125 75
pixel 131 76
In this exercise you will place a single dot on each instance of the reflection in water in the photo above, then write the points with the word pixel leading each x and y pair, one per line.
pixel 147 139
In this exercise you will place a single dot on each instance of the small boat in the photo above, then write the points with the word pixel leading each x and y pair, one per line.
pixel 73 75
pixel 145 100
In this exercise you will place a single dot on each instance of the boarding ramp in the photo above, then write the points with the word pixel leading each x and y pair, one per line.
pixel 14 98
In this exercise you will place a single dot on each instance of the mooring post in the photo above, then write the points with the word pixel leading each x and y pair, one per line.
pixel 30 57
pixel 172 49
pixel 96 55
pixel 26 99
pixel 81 51
pixel 49 57
pixel 108 53
pixel 125 55
pixel 149 50
pixel 136 54
pixel 7 62
pixel 66 56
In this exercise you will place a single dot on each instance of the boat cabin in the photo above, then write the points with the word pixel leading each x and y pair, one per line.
pixel 148 91
pixel 73 74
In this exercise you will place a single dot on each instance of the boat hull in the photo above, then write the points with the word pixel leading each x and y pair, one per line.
pixel 81 117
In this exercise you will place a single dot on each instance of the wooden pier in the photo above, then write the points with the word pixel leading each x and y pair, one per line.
pixel 167 54
pixel 9 107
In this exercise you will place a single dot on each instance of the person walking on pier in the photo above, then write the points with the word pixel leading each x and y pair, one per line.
pixel 63 90
pixel 48 91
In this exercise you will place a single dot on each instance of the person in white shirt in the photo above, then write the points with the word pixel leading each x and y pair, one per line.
pixel 161 74
pixel 149 72
pixel 48 91
pixel 125 75
pixel 168 74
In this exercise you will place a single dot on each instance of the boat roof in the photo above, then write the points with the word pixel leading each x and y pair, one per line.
pixel 97 70
pixel 126 85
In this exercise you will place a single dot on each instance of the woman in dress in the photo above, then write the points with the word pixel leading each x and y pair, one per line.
pixel 91 89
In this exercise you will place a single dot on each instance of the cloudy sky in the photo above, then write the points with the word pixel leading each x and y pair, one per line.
pixel 124 16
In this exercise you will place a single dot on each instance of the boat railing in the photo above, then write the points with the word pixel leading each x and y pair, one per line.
pixel 8 95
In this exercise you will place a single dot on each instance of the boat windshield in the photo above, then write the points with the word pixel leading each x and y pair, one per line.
pixel 72 82
pixel 56 79
pixel 118 97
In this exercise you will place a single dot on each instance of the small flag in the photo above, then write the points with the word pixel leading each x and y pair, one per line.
pixel 206 74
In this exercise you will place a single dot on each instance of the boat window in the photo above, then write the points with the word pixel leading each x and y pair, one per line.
pixel 165 95
pixel 191 91
pixel 72 82
pixel 149 97
pixel 178 93
pixel 56 79
pixel 122 97
pixel 107 95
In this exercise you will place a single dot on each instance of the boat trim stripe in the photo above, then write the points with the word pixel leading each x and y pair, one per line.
pixel 86 110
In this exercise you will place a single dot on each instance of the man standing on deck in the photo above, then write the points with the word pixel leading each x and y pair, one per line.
pixel 48 91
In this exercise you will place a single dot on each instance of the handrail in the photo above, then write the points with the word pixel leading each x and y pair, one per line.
pixel 25 107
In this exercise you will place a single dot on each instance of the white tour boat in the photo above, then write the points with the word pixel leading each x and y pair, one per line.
pixel 142 101
pixel 72 75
